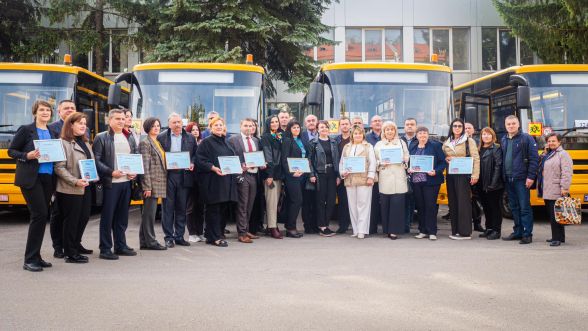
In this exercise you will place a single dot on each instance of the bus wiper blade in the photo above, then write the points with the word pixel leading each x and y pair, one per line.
pixel 5 125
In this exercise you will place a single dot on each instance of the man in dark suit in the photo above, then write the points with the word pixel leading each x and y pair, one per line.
pixel 308 201
pixel 245 143
pixel 179 181
pixel 64 109
pixel 409 137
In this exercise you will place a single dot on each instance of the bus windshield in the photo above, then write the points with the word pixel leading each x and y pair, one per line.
pixel 20 89
pixel 558 101
pixel 193 94
pixel 394 95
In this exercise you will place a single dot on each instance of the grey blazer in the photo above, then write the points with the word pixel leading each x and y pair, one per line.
pixel 236 143
pixel 155 177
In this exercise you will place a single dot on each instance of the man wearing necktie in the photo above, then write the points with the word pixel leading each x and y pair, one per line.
pixel 245 143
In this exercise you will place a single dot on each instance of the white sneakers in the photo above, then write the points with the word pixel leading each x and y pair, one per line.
pixel 421 236
pixel 195 238
pixel 432 237
pixel 458 237
pixel 360 236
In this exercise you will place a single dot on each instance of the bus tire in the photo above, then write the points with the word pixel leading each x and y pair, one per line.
pixel 506 212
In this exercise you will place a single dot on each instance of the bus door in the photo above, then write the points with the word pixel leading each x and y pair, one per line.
pixel 502 106
pixel 475 109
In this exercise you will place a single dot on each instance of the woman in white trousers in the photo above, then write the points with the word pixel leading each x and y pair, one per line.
pixel 359 184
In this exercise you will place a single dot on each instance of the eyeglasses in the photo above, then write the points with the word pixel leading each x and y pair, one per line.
pixel 457 126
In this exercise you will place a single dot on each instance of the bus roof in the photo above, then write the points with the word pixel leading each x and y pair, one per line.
pixel 384 65
pixel 199 66
pixel 51 67
pixel 527 69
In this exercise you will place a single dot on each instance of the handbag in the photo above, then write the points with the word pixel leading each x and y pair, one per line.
pixel 136 190
pixel 568 211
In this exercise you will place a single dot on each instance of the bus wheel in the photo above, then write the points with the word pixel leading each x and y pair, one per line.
pixel 506 212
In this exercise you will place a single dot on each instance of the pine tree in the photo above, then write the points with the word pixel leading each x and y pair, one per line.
pixel 275 32
pixel 556 30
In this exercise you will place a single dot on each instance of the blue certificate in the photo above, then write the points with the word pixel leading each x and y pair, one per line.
pixel 391 155
pixel 51 150
pixel 461 166
pixel 177 160
pixel 354 164
pixel 88 170
pixel 130 163
pixel 421 163
pixel 230 165
pixel 254 159
pixel 298 164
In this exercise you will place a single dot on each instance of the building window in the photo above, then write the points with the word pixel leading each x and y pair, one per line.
pixel 322 53
pixel 500 50
pixel 451 45
pixel 371 44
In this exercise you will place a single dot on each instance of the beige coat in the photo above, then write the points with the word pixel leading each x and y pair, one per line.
pixel 459 150
pixel 392 177
pixel 68 171
pixel 557 174
pixel 366 150
pixel 155 177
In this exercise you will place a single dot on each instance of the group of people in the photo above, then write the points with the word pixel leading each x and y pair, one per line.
pixel 203 197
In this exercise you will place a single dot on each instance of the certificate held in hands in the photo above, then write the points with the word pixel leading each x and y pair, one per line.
pixel 230 165
pixel 88 170
pixel 421 163
pixel 177 160
pixel 130 163
pixel 51 150
pixel 298 164
pixel 461 166
pixel 354 164
pixel 254 159
pixel 391 155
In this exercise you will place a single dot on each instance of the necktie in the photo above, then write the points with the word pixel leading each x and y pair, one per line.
pixel 249 146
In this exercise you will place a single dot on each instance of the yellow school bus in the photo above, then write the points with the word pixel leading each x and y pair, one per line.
pixel 193 90
pixel 546 98
pixel 394 91
pixel 21 84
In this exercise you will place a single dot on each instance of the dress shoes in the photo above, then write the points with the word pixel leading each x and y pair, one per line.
pixel 85 251
pixel 156 247
pixel 555 243
pixel 108 256
pixel 493 236
pixel 526 240
pixel 125 252
pixel 486 233
pixel 58 254
pixel 45 264
pixel 169 243
pixel 246 240
pixel 251 235
pixel 274 233
pixel 34 267
pixel 294 234
pixel 76 259
pixel 512 237
pixel 182 242
pixel 478 227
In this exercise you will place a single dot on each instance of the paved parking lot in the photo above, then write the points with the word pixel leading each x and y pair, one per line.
pixel 310 283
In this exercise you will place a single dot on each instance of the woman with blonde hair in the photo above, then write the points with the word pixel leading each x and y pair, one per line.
pixel 392 181
pixel 359 185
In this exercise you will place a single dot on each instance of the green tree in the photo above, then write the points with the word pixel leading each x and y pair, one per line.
pixel 80 23
pixel 275 32
pixel 21 37
pixel 557 30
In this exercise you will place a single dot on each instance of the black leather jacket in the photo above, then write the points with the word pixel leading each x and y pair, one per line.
pixel 491 170
pixel 318 159
pixel 103 148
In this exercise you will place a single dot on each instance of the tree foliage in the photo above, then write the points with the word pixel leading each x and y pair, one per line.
pixel 275 32
pixel 557 30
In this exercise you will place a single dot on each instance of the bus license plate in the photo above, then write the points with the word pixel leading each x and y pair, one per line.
pixel 3 197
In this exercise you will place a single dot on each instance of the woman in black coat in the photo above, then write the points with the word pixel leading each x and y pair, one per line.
pixel 490 186
pixel 36 180
pixel 221 189
pixel 293 147
pixel 271 143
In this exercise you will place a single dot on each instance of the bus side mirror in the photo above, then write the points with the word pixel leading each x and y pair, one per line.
pixel 90 116
pixel 114 95
pixel 315 94
pixel 523 97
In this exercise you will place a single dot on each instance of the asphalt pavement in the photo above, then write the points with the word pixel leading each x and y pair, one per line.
pixel 313 283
